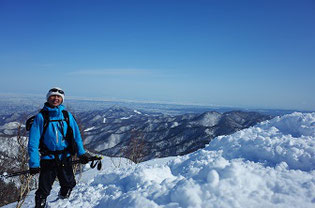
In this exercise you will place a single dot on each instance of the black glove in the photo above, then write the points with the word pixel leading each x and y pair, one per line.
pixel 84 158
pixel 34 171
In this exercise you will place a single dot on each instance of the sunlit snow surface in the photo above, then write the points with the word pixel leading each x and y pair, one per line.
pixel 269 165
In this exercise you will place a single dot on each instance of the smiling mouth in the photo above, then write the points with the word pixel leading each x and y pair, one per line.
pixel 56 101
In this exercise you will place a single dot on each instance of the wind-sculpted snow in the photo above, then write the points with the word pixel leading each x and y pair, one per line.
pixel 268 165
pixel 288 139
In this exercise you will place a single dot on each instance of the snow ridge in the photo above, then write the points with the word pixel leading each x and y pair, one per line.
pixel 288 139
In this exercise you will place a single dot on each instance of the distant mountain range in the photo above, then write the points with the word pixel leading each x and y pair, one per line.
pixel 121 131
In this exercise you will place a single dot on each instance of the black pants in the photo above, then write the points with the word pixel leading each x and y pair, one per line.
pixel 49 170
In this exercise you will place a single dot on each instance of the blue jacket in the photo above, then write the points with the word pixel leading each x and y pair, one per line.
pixel 54 137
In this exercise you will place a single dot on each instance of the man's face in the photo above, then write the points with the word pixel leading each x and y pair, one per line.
pixel 55 100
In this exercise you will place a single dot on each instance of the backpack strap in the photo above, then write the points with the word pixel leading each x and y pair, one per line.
pixel 45 115
pixel 72 146
pixel 66 117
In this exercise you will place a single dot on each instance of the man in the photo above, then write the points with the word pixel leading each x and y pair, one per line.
pixel 48 147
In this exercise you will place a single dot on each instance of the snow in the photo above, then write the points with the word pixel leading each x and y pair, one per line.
pixel 124 118
pixel 10 146
pixel 11 125
pixel 269 165
pixel 96 118
pixel 210 119
pixel 113 140
pixel 288 139
pixel 174 124
pixel 89 129
pixel 137 112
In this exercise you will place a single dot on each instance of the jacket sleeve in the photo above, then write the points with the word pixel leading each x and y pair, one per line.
pixel 76 134
pixel 34 140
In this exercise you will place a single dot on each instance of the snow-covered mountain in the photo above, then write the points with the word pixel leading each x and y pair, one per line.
pixel 112 132
pixel 271 164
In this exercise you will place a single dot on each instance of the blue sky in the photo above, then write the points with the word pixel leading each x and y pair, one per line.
pixel 255 53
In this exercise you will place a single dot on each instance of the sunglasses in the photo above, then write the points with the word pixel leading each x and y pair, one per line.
pixel 56 90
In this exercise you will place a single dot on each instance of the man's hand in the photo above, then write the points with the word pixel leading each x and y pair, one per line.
pixel 34 171
pixel 84 158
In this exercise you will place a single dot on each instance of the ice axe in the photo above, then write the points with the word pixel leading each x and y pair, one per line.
pixel 96 161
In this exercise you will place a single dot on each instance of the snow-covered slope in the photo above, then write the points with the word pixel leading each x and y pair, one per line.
pixel 269 165
pixel 110 132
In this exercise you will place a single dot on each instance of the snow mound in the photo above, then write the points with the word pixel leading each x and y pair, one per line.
pixel 288 139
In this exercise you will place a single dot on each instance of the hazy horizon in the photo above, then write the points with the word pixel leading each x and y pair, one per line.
pixel 98 99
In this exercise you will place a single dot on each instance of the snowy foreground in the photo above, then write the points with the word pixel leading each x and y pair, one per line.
pixel 269 165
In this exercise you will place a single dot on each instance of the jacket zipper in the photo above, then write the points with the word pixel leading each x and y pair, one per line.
pixel 57 136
